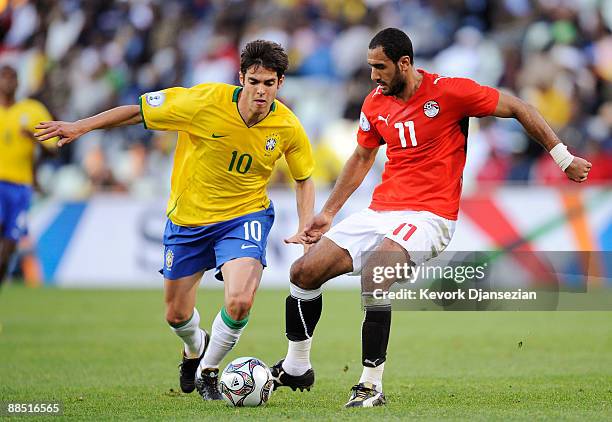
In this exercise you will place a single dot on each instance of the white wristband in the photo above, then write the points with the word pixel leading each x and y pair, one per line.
pixel 561 155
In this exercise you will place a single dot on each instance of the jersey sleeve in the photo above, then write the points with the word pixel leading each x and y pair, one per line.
pixel 299 154
pixel 472 99
pixel 367 135
pixel 169 109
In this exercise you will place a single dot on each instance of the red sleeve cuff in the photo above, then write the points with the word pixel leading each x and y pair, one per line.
pixel 370 143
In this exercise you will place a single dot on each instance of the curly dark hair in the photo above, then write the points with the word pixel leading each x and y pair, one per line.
pixel 264 53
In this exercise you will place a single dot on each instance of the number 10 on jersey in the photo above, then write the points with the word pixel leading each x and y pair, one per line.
pixel 400 127
pixel 244 162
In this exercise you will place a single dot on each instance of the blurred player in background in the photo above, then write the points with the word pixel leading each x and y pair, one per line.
pixel 17 162
pixel 219 214
pixel 423 118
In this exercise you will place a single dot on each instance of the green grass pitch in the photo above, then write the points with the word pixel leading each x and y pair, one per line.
pixel 108 354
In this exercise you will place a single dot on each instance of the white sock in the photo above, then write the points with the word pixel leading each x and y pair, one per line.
pixel 373 375
pixel 222 340
pixel 297 360
pixel 192 335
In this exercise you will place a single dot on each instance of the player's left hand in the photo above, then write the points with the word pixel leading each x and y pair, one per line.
pixel 578 170
pixel 65 131
pixel 297 239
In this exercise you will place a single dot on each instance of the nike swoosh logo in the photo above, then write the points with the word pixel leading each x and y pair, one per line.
pixel 247 246
pixel 218 136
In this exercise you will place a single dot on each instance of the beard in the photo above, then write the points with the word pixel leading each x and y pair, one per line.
pixel 397 84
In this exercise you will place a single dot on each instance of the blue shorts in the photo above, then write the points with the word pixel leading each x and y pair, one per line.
pixel 14 205
pixel 188 250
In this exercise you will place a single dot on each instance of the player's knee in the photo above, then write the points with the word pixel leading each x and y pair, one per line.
pixel 294 272
pixel 238 307
pixel 175 316
pixel 389 245
pixel 300 275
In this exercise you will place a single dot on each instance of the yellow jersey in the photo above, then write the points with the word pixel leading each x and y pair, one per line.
pixel 16 147
pixel 221 166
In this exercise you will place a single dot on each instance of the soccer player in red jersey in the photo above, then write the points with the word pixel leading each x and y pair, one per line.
pixel 423 119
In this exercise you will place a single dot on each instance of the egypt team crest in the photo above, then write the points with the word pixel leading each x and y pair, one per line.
pixel 431 108
pixel 169 259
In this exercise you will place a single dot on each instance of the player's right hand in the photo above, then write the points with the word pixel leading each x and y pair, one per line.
pixel 316 227
pixel 66 131
pixel 578 170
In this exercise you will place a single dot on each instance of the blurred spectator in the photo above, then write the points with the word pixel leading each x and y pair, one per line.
pixel 81 57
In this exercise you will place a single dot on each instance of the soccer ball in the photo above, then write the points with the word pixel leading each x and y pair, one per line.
pixel 246 382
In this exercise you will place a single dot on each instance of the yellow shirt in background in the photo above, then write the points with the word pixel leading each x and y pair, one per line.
pixel 221 166
pixel 16 147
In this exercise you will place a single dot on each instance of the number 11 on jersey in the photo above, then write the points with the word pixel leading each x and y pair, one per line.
pixel 400 127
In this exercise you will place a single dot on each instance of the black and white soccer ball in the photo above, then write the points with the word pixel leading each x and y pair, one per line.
pixel 246 382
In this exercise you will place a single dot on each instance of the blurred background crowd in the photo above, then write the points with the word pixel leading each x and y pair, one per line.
pixel 80 57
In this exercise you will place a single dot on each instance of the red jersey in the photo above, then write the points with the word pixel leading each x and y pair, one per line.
pixel 426 139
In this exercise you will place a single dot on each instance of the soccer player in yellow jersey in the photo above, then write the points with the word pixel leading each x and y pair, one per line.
pixel 219 214
pixel 17 152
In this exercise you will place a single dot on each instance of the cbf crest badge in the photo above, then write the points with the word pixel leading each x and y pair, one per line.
pixel 169 259
pixel 271 141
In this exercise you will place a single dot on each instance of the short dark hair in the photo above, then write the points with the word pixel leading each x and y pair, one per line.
pixel 395 44
pixel 264 53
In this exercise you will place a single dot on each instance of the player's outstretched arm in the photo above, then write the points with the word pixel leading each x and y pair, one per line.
pixel 305 196
pixel 70 131
pixel 576 168
pixel 352 175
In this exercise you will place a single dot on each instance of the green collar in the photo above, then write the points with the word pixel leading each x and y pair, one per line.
pixel 236 94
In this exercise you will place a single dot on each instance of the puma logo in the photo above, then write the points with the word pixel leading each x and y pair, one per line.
pixel 386 120
pixel 438 78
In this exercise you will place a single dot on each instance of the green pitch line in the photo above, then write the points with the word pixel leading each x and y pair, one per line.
pixel 110 355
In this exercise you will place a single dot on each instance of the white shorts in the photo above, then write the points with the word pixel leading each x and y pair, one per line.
pixel 421 233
